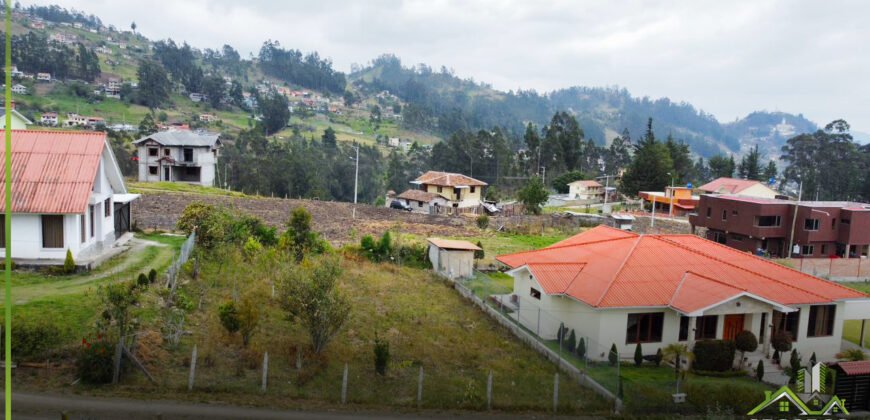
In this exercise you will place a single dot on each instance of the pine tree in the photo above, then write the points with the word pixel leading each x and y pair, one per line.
pixel 638 355
pixel 570 344
pixel 581 348
pixel 613 356
pixel 759 371
pixel 649 168
pixel 770 171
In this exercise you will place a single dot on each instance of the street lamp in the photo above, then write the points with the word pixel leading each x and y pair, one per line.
pixel 794 217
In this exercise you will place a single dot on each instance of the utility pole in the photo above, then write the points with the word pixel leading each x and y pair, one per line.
pixel 544 176
pixel 606 184
pixel 356 175
pixel 671 209
pixel 794 219
pixel 652 222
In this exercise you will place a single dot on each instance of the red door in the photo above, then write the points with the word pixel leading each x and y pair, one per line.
pixel 733 326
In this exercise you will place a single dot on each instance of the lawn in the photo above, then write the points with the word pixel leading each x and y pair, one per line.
pixel 179 187
pixel 495 244
pixel 852 329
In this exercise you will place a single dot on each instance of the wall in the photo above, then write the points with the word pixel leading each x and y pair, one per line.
pixel 758 190
pixel 452 264
pixel 466 197
pixel 204 157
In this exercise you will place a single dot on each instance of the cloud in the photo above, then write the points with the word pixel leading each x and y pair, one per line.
pixel 728 58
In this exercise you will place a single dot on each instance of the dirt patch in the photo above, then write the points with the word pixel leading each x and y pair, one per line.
pixel 334 220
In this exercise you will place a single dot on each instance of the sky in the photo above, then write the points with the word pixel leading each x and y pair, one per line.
pixel 728 58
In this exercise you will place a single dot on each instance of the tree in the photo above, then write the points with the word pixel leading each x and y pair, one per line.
pixel 649 168
pixel 750 165
pixel 533 195
pixel 826 162
pixel 563 145
pixel 309 294
pixel 69 264
pixel 759 371
pixel 638 355
pixel 133 27
pixel 721 166
pixel 560 183
pixel 119 300
pixel 681 160
pixel 299 237
pixel 215 89
pixel 154 85
pixel 794 365
pixel 613 355
pixel 480 253
pixel 676 353
pixel 147 126
pixel 276 113
pixel 249 318
pixel 581 348
pixel 237 94
pixel 745 341
pixel 618 156
pixel 770 172
pixel 228 315
pixel 533 147
pixel 571 343
pixel 328 138
pixel 350 98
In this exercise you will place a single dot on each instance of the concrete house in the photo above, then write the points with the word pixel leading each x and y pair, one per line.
pixel 19 89
pixel 586 190
pixel 452 259
pixel 49 119
pixel 420 201
pixel 741 187
pixel 68 194
pixel 459 190
pixel 618 287
pixel 19 122
pixel 178 156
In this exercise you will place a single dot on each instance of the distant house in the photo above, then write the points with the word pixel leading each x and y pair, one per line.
pixel 459 190
pixel 422 201
pixel 78 202
pixel 208 117
pixel 585 190
pixel 452 259
pixel 75 120
pixel 178 156
pixel 113 88
pixel 49 119
pixel 43 77
pixel 19 89
pixel 622 221
pixel 19 122
pixel 16 73
pixel 677 201
pixel 741 187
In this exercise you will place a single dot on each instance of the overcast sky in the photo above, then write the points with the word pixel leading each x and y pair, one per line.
pixel 726 57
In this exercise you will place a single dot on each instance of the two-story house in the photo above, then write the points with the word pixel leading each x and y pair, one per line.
pixel 68 194
pixel 179 156
pixel 586 190
pixel 459 190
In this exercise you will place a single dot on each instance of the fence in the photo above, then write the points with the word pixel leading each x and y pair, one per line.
pixel 831 268
pixel 183 256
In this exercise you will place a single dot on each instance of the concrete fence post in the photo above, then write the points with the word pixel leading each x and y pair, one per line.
pixel 344 385
pixel 298 359
pixel 192 369
pixel 555 392
pixel 265 371
pixel 116 372
pixel 420 389
pixel 489 391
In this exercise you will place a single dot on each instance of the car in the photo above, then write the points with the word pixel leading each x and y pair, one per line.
pixel 398 205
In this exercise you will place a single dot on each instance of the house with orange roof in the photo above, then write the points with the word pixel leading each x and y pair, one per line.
pixel 674 201
pixel 459 190
pixel 616 287
pixel 67 194
pixel 741 187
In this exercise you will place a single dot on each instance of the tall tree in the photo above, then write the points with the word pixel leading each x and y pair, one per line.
pixel 215 89
pixel 721 166
pixel 147 125
pixel 649 168
pixel 825 162
pixel 618 156
pixel 328 138
pixel 750 165
pixel 770 172
pixel 681 159
pixel 154 85
pixel 563 145
pixel 276 111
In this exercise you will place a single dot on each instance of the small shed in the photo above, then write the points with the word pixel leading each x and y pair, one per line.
pixel 452 259
pixel 852 384
pixel 621 221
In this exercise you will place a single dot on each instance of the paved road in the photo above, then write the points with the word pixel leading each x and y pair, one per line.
pixel 28 406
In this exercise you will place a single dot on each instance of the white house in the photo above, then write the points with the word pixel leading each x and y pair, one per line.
pixel 19 89
pixel 452 259
pixel 43 77
pixel 456 189
pixel 585 190
pixel 48 118
pixel 19 122
pixel 616 287
pixel 68 194
pixel 178 156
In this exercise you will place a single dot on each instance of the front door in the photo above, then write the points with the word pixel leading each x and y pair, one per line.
pixel 733 325
pixel 166 170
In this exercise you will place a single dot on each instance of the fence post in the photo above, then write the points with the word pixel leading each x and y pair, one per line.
pixel 192 369
pixel 489 391
pixel 344 385
pixel 116 373
pixel 555 392
pixel 420 389
pixel 298 359
pixel 265 371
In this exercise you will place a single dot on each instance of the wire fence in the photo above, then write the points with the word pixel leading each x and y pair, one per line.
pixel 183 255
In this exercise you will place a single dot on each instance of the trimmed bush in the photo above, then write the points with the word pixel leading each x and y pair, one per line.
pixel 781 341
pixel 142 280
pixel 581 348
pixel 714 355
pixel 69 265
pixel 759 371
pixel 613 356
pixel 382 355
pixel 152 276
pixel 745 341
pixel 638 355
pixel 571 342
pixel 794 365
pixel 658 358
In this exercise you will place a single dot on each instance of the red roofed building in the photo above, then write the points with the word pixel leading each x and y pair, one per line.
pixel 743 187
pixel 67 194
pixel 457 190
pixel 618 287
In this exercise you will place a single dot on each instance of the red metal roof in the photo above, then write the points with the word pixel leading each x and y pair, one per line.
pixel 52 171
pixel 861 367
pixel 727 185
pixel 614 268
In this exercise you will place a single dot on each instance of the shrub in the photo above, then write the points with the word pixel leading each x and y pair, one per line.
pixel 482 221
pixel 776 356
pixel 229 317
pixel 382 355
pixel 581 348
pixel 745 341
pixel 251 249
pixel 638 355
pixel 851 355
pixel 571 342
pixel 613 356
pixel 714 355
pixel 658 357
pixel 32 340
pixel 94 364
pixel 479 254
pixel 69 265
pixel 759 371
pixel 414 255
pixel 142 280
pixel 781 341
pixel 152 276
pixel 249 317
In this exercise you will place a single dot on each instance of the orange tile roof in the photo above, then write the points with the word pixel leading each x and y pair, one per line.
pixel 448 179
pixel 53 172
pixel 418 195
pixel 614 268
pixel 453 244
pixel 727 185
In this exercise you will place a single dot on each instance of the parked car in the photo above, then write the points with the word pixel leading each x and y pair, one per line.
pixel 396 204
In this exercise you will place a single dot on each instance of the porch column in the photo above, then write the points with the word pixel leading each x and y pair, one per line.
pixel 847 251
pixel 863 328
pixel 691 338
pixel 768 332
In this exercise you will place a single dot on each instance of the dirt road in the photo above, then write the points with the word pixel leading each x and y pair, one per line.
pixel 27 406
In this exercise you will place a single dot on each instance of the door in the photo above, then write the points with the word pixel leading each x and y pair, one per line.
pixel 733 325
pixel 166 170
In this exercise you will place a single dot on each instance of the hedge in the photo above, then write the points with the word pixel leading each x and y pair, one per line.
pixel 714 355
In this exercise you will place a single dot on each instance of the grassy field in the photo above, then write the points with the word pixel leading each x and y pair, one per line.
pixel 852 329
pixel 178 187
pixel 427 324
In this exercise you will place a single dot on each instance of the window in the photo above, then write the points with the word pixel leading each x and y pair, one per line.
pixel 188 155
pixel 705 327
pixel 91 214
pixel 709 211
pixel 535 293
pixel 824 250
pixel 788 322
pixel 440 189
pixel 724 214
pixel 2 231
pixel 419 204
pixel 783 406
pixel 811 224
pixel 107 207
pixel 152 170
pixel 152 151
pixel 719 237
pixel 736 238
pixel 456 192
pixel 472 189
pixel 684 328
pixel 833 223
pixel 821 322
pixel 82 228
pixel 734 212
pixel 52 231
pixel 768 221
pixel 808 249
pixel 166 152
pixel 845 221
pixel 644 328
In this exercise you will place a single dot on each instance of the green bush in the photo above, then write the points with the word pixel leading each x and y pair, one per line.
pixel 781 341
pixel 745 341
pixel 414 255
pixel 94 364
pixel 479 254
pixel 794 365
pixel 69 265
pixel 33 340
pixel 581 348
pixel 229 317
pixel 613 356
pixel 759 371
pixel 658 358
pixel 725 374
pixel 714 355
pixel 382 355
pixel 482 221
pixel 851 355
pixel 142 280
pixel 638 355
pixel 152 276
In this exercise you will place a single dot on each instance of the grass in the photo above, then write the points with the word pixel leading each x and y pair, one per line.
pixel 852 329
pixel 495 244
pixel 178 187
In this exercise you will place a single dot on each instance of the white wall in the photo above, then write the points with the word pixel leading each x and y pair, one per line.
pixel 452 263
pixel 204 157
